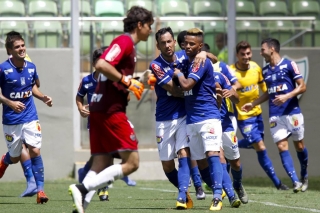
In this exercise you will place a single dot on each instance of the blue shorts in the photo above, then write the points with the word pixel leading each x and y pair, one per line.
pixel 252 129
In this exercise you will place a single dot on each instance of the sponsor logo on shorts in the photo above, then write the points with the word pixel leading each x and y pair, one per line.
pixel 159 139
pixel 247 129
pixel 37 135
pixel 9 138
pixel 273 124
pixel 211 137
pixel 38 127
pixel 234 138
pixel 295 121
pixel 211 130
pixel 296 129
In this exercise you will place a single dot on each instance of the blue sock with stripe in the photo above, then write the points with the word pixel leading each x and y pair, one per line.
pixel 287 163
pixel 216 175
pixel 183 177
pixel 226 182
pixel 196 177
pixel 267 166
pixel 38 171
pixel 303 159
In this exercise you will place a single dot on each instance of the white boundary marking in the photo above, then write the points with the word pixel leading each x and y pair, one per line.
pixel 251 201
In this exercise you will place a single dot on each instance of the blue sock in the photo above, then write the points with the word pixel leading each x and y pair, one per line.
pixel 303 158
pixel 244 144
pixel 86 167
pixel 226 182
pixel 267 166
pixel 216 175
pixel 205 175
pixel 228 166
pixel 27 169
pixel 173 177
pixel 287 163
pixel 196 177
pixel 183 177
pixel 237 178
pixel 7 159
pixel 38 171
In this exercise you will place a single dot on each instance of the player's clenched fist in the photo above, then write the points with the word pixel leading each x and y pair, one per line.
pixel 133 85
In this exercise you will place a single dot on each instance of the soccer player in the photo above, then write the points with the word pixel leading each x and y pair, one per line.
pixel 250 123
pixel 110 131
pixel 284 82
pixel 20 119
pixel 203 115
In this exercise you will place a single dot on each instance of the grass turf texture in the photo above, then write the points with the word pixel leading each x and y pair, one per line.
pixel 159 196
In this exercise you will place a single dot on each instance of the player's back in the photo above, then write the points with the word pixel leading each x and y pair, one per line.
pixel 88 86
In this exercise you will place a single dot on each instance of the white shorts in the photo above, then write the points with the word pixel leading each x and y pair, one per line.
pixel 204 136
pixel 230 145
pixel 234 122
pixel 15 135
pixel 171 137
pixel 282 126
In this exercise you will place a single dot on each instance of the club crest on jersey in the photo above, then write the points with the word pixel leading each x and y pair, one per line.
pixel 157 70
pixel 159 139
pixel 195 67
pixel 301 66
pixel 9 138
pixel 31 70
pixel 23 81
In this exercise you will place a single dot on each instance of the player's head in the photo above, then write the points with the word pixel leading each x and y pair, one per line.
pixel 193 41
pixel 165 41
pixel 97 53
pixel 269 47
pixel 15 45
pixel 243 52
pixel 221 40
pixel 139 21
pixel 206 47
pixel 180 39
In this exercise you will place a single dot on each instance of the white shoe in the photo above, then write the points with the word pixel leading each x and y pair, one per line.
pixel 297 187
pixel 304 182
pixel 77 198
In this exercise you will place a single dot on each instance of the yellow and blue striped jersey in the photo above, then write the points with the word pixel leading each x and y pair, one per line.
pixel 250 81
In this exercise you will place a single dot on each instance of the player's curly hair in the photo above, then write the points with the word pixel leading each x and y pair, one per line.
pixel 134 15
pixel 242 45
pixel 163 31
pixel 12 36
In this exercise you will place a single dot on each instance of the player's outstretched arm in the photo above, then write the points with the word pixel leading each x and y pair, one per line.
pixel 44 98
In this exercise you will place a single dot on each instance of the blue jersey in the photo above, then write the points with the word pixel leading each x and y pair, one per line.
pixel 167 107
pixel 200 101
pixel 16 85
pixel 225 70
pixel 225 119
pixel 281 80
pixel 87 87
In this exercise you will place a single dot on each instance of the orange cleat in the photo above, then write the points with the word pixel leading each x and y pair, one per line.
pixel 42 197
pixel 3 166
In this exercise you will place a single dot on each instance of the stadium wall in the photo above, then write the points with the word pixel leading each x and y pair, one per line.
pixel 55 71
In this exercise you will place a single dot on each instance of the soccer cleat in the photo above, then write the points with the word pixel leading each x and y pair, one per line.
pixel 242 194
pixel 77 197
pixel 224 194
pixel 297 187
pixel 200 193
pixel 128 181
pixel 282 187
pixel 235 202
pixel 42 197
pixel 3 166
pixel 189 201
pixel 103 194
pixel 30 191
pixel 181 204
pixel 216 205
pixel 305 183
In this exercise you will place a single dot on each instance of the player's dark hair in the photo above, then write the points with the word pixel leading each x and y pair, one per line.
pixel 272 42
pixel 134 15
pixel 242 45
pixel 180 37
pixel 205 47
pixel 163 31
pixel 97 53
pixel 222 37
pixel 12 36
pixel 195 32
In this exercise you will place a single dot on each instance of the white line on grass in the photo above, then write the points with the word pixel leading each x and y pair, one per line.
pixel 253 201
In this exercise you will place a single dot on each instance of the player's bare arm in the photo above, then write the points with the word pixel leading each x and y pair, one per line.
pixel 16 106
pixel 232 94
pixel 219 94
pixel 185 84
pixel 248 106
pixel 212 57
pixel 44 98
pixel 201 57
pixel 301 88
pixel 173 89
pixel 102 66
pixel 38 82
pixel 236 86
pixel 83 109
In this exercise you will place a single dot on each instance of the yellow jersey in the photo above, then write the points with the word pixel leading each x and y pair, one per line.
pixel 27 58
pixel 250 81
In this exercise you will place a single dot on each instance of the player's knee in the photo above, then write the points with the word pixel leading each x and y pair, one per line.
pixel 299 145
pixel 259 146
pixel 168 166
pixel 235 164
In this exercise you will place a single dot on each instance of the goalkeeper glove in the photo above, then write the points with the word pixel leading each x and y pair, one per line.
pixel 133 85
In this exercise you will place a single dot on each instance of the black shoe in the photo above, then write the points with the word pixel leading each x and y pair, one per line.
pixel 282 186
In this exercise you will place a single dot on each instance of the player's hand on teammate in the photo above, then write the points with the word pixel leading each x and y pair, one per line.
pixel 17 106
pixel 47 100
pixel 280 99
pixel 176 72
pixel 247 107
pixel 200 58
pixel 226 93
pixel 133 85
pixel 84 112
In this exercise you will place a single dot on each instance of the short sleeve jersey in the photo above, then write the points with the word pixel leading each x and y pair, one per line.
pixel 250 81
pixel 87 87
pixel 168 107
pixel 281 80
pixel 16 85
pixel 200 101
pixel 109 96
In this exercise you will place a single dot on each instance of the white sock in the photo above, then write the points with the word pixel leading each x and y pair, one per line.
pixel 104 178
pixel 88 198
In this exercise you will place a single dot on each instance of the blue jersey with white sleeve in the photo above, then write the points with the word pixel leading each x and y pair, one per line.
pixel 225 119
pixel 281 80
pixel 201 103
pixel 87 87
pixel 168 107
pixel 16 85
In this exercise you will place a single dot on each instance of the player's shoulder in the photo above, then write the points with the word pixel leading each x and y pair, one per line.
pixel 254 65
pixel 30 64
pixel 233 67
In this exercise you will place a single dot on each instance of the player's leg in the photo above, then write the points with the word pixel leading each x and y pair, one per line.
pixel 129 181
pixel 27 170
pixel 82 172
pixel 195 175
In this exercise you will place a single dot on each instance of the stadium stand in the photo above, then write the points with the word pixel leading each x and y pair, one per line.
pixel 43 8
pixel 249 31
pixel 273 8
pixel 307 37
pixel 109 8
pixel 109 30
pixel 207 8
pixel 281 30
pixel 245 8
pixel 211 29
pixel 12 8
pixel 84 7
pixel 7 26
pixel 47 34
pixel 143 3
pixel 306 8
pixel 174 8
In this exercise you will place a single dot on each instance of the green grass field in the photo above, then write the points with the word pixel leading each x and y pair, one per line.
pixel 159 196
